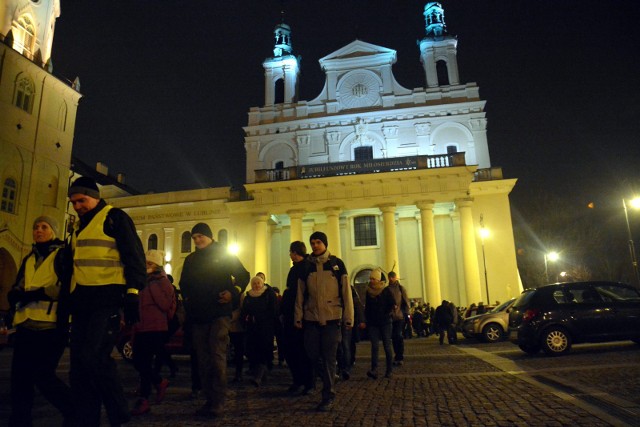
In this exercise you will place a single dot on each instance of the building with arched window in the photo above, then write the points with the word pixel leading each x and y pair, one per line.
pixel 37 121
pixel 397 178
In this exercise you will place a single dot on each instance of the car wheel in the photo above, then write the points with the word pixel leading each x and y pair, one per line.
pixel 492 332
pixel 529 349
pixel 127 351
pixel 556 341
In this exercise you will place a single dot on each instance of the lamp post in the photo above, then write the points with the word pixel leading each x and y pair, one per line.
pixel 634 203
pixel 484 233
pixel 551 256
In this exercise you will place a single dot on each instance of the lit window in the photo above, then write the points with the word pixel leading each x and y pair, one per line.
pixel 24 91
pixel 185 248
pixel 152 242
pixel 364 229
pixel 362 153
pixel 24 35
pixel 9 193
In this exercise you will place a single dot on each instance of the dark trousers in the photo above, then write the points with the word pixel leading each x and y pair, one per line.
pixel 397 339
pixel 237 341
pixel 35 358
pixel 296 357
pixel 344 351
pixel 210 341
pixel 377 333
pixel 146 345
pixel 93 373
pixel 321 344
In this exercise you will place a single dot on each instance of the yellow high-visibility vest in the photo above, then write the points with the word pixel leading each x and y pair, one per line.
pixel 43 276
pixel 96 260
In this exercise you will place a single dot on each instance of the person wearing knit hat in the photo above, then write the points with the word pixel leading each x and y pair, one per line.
pixel 85 185
pixel 210 283
pixel 109 271
pixel 39 341
pixel 155 256
pixel 53 224
pixel 323 282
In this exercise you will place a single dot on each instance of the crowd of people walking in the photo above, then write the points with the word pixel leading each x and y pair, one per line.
pixel 103 279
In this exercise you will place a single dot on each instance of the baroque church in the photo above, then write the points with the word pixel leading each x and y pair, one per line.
pixel 397 178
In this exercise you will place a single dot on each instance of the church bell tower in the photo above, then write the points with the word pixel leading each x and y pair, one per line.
pixel 438 50
pixel 282 69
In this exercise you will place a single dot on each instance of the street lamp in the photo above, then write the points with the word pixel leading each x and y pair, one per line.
pixel 551 256
pixel 634 203
pixel 484 233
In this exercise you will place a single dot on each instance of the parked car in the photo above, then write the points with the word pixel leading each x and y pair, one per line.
pixel 491 326
pixel 553 317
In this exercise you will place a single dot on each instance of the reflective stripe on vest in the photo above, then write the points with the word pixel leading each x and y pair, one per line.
pixel 96 260
pixel 43 276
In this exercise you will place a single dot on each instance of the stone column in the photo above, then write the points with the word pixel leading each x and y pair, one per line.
pixel 261 247
pixel 333 231
pixel 390 238
pixel 295 229
pixel 429 253
pixel 469 252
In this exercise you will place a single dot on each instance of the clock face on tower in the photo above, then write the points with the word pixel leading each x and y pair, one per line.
pixel 359 89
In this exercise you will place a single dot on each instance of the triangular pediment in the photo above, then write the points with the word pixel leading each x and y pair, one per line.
pixel 359 49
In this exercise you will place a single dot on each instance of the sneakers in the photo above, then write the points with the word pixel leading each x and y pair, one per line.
pixel 162 390
pixel 372 374
pixel 141 407
pixel 325 406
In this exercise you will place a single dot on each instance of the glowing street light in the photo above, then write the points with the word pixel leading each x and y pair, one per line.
pixel 484 233
pixel 553 257
pixel 634 203
pixel 233 249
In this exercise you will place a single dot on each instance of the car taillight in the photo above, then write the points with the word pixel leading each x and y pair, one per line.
pixel 530 314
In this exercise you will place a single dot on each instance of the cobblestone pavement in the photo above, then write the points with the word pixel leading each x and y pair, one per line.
pixel 470 384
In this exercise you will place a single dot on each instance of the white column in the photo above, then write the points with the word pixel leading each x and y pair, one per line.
pixel 469 251
pixel 295 231
pixel 390 238
pixel 261 244
pixel 333 231
pixel 430 254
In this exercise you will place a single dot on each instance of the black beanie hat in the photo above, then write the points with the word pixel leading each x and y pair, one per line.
pixel 319 235
pixel 202 228
pixel 85 185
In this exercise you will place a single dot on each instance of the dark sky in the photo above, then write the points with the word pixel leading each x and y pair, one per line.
pixel 167 84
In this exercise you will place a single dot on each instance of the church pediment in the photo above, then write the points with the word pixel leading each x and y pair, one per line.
pixel 357 54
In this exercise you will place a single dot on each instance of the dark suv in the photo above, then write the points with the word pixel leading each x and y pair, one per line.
pixel 553 317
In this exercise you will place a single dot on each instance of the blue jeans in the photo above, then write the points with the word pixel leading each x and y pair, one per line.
pixel 375 334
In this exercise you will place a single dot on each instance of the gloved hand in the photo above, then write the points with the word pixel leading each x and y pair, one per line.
pixel 15 296
pixel 37 295
pixel 131 309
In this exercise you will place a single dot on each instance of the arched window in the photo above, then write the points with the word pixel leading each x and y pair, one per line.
pixel 279 91
pixel 9 194
pixel 452 149
pixel 185 247
pixel 362 153
pixel 62 117
pixel 364 230
pixel 152 242
pixel 24 35
pixel 443 73
pixel 223 237
pixel 24 93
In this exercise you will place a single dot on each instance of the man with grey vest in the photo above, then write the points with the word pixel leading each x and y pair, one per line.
pixel 108 271
pixel 323 304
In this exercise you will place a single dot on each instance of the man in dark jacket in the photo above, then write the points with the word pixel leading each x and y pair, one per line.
pixel 398 316
pixel 207 285
pixel 443 319
pixel 108 271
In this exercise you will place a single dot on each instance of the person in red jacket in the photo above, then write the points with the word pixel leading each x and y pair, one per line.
pixel 157 306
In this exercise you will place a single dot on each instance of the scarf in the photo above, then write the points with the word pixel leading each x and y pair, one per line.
pixel 257 293
pixel 375 290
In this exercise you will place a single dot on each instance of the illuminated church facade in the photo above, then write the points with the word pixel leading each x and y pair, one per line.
pixel 397 178
pixel 37 122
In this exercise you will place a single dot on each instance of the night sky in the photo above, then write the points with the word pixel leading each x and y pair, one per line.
pixel 167 84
